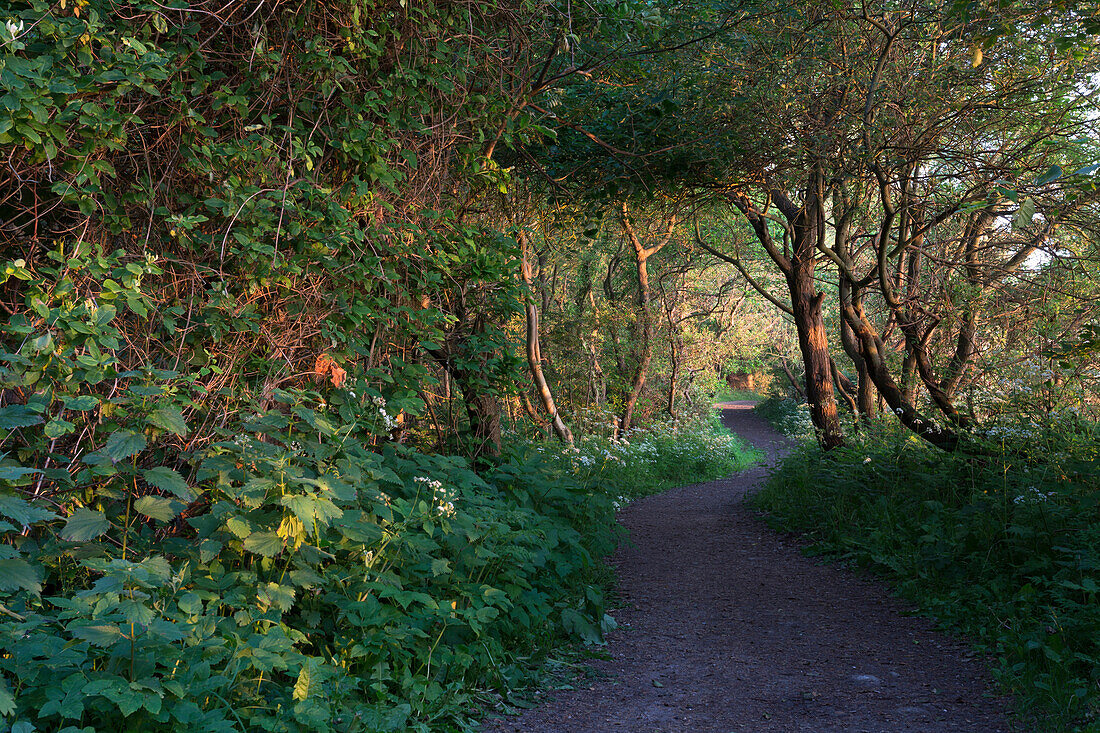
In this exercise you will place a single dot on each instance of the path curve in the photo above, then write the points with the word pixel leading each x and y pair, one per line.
pixel 725 626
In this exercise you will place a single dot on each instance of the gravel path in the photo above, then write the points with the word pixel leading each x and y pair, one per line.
pixel 725 626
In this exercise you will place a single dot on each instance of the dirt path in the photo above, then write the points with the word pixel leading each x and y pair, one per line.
pixel 726 627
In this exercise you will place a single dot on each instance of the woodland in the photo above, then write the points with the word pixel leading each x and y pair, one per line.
pixel 335 333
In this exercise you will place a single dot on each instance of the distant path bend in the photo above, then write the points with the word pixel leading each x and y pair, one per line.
pixel 725 626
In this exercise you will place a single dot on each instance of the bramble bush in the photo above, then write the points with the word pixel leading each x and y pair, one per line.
pixel 999 542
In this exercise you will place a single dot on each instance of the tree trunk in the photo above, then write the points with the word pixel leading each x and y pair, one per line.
pixel 641 258
pixel 865 393
pixel 806 231
pixel 534 352
pixel 872 350
pixel 813 342
pixel 483 410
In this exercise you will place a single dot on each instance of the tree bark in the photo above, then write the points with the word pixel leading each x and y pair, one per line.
pixel 813 342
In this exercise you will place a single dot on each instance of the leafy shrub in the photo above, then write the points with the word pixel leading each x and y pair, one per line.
pixel 1001 545
pixel 310 583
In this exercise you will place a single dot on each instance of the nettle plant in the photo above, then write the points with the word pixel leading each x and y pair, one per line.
pixel 285 575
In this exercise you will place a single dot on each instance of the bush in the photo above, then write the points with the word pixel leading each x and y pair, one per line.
pixel 287 577
pixel 1001 544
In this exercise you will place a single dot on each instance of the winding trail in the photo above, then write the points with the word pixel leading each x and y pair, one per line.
pixel 725 626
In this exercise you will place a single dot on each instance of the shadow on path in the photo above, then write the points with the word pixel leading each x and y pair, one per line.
pixel 725 626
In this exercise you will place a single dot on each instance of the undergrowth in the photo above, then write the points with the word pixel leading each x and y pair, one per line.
pixel 291 577
pixel 787 415
pixel 1001 544
pixel 658 457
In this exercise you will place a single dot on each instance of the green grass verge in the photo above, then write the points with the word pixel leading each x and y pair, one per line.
pixel 1002 545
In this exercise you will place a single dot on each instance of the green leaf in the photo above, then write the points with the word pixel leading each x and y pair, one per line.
pixel 81 403
pixel 85 524
pixel 17 416
pixel 362 530
pixel 1053 174
pixel 160 508
pixel 105 314
pixel 239 526
pixel 16 574
pixel 14 473
pixel 7 700
pixel 190 603
pixel 170 419
pixel 104 635
pixel 22 512
pixel 167 479
pixel 267 544
pixel 57 427
pixel 312 509
pixel 1024 214
pixel 279 596
pixel 124 444
pixel 209 549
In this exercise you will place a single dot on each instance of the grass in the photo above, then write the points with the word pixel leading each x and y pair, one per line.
pixel 1001 544
pixel 737 395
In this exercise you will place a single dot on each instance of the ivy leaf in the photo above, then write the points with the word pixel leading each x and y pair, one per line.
pixel 124 444
pixel 85 524
pixel 160 508
pixel 16 574
pixel 170 419
pixel 267 544
pixel 167 479
pixel 17 416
